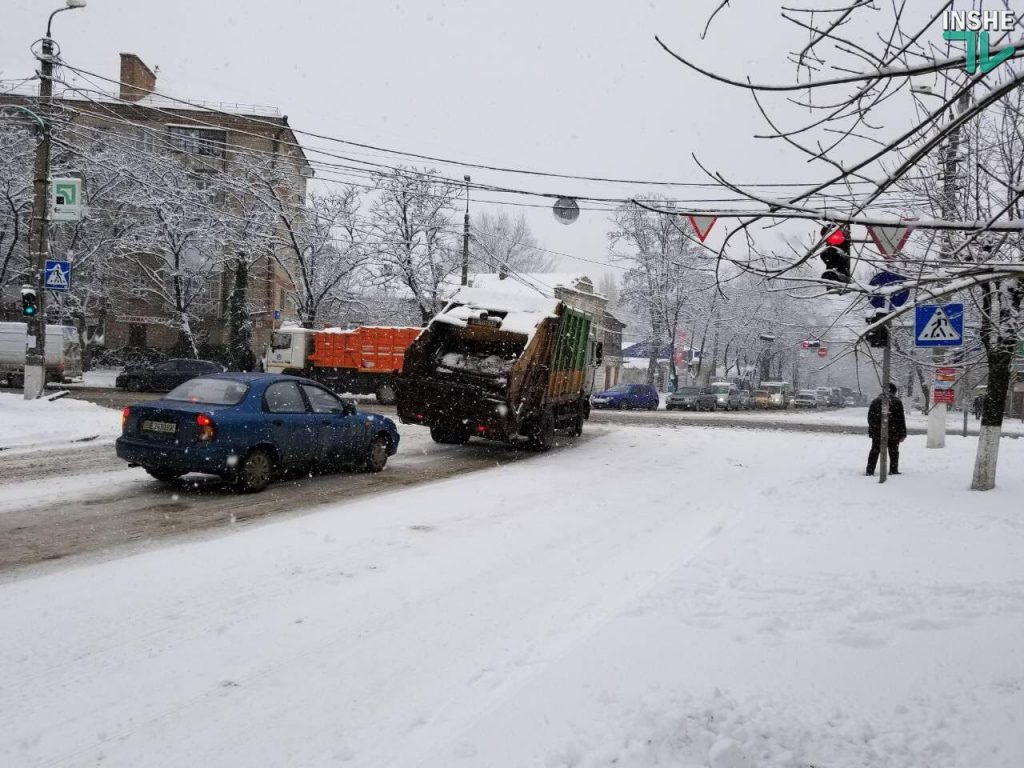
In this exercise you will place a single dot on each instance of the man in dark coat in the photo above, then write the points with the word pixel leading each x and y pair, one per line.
pixel 897 431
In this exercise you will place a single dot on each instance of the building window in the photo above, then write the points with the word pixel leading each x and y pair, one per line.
pixel 198 141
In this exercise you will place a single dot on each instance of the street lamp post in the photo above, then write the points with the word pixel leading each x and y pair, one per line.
pixel 465 238
pixel 39 231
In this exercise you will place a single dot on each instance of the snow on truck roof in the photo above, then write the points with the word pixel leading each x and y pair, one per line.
pixel 523 313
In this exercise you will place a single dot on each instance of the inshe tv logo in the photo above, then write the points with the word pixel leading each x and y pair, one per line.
pixel 972 28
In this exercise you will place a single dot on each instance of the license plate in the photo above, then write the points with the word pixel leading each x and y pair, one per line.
pixel 163 427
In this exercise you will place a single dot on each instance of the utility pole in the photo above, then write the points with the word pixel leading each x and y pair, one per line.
pixel 465 238
pixel 883 458
pixel 39 231
pixel 937 411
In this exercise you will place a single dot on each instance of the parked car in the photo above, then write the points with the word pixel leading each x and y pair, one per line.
pixel 806 398
pixel 165 376
pixel 726 395
pixel 761 398
pixel 836 398
pixel 850 402
pixel 691 399
pixel 746 403
pixel 626 396
pixel 823 394
pixel 250 427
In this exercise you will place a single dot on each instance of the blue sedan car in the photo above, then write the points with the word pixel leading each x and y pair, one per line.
pixel 250 427
pixel 623 396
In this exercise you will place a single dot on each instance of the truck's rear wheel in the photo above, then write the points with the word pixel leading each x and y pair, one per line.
pixel 543 437
pixel 448 434
pixel 385 394
pixel 577 425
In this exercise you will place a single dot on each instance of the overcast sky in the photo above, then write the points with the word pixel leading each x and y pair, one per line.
pixel 571 86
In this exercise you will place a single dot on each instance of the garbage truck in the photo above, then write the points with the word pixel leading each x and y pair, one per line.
pixel 63 354
pixel 362 361
pixel 502 367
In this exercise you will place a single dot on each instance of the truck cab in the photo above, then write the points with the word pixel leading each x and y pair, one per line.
pixel 289 348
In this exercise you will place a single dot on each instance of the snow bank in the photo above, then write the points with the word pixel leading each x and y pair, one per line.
pixel 839 417
pixel 29 424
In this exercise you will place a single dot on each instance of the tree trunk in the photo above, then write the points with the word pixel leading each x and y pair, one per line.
pixel 1000 360
pixel 186 339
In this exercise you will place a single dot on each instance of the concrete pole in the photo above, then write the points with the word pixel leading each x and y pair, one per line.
pixel 937 411
pixel 39 234
pixel 883 459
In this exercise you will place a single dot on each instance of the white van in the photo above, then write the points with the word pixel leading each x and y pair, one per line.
pixel 63 354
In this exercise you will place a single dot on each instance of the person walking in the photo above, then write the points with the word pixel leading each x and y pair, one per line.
pixel 897 431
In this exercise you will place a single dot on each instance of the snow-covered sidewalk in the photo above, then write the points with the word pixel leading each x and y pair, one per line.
pixel 837 623
pixel 41 424
pixel 648 596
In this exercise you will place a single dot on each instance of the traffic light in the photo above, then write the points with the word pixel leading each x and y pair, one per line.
pixel 877 337
pixel 836 255
pixel 29 301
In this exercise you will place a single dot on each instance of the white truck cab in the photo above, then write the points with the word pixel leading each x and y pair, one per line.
pixel 289 348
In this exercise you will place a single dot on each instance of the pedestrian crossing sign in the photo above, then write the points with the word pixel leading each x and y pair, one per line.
pixel 57 275
pixel 939 325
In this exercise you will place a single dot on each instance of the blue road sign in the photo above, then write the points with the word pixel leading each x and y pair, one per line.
pixel 881 280
pixel 939 326
pixel 277 314
pixel 57 275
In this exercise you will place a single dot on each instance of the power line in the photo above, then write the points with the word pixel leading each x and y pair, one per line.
pixel 431 158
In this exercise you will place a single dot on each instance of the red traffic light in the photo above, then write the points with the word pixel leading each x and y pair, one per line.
pixel 836 238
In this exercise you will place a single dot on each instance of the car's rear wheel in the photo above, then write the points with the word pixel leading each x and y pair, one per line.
pixel 163 475
pixel 377 454
pixel 254 472
pixel 622 405
pixel 133 385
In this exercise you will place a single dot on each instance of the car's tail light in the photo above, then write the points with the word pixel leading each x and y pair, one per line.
pixel 207 429
pixel 124 417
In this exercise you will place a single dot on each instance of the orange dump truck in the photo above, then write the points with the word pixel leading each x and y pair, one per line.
pixel 363 361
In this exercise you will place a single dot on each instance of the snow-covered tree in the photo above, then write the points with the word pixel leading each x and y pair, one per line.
pixel 865 142
pixel 413 246
pixel 662 278
pixel 239 322
pixel 319 243
pixel 16 149
pixel 503 242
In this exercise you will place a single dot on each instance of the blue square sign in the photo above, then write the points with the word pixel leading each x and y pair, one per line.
pixel 57 275
pixel 939 325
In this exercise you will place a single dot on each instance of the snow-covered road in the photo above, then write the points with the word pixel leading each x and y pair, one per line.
pixel 695 597
pixel 368 631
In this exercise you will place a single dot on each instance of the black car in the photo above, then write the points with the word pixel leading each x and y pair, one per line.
pixel 691 399
pixel 165 376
